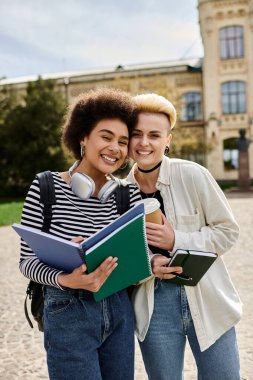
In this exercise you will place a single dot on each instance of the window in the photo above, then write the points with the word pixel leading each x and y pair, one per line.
pixel 191 154
pixel 191 106
pixel 233 97
pixel 231 42
pixel 230 154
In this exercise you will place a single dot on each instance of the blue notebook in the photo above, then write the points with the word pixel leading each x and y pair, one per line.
pixel 124 238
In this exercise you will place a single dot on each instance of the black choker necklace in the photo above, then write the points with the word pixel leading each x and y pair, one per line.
pixel 150 170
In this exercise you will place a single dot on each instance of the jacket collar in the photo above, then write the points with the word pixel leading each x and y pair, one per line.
pixel 164 173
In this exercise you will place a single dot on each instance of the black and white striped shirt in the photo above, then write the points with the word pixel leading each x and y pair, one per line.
pixel 71 217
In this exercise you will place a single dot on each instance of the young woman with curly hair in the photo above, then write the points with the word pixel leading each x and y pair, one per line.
pixel 85 339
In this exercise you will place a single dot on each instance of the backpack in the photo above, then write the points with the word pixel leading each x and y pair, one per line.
pixel 34 290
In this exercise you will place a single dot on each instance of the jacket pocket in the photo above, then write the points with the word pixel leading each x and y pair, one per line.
pixel 189 223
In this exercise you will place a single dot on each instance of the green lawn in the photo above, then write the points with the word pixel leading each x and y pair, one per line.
pixel 10 212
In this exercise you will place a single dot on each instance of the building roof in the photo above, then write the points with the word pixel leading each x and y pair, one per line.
pixel 190 63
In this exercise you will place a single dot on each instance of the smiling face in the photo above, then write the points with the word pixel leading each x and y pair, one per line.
pixel 149 139
pixel 106 147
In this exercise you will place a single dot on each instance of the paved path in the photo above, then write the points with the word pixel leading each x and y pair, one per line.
pixel 22 354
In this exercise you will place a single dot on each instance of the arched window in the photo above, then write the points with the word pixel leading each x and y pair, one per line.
pixel 231 42
pixel 230 154
pixel 233 97
pixel 191 106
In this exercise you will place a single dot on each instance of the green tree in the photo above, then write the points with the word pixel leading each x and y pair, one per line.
pixel 8 102
pixel 32 136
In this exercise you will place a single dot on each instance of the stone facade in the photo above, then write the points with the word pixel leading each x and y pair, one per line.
pixel 215 15
pixel 194 85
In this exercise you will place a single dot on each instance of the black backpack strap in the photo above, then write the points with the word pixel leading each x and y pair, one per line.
pixel 122 195
pixel 47 197
pixel 28 294
pixel 34 290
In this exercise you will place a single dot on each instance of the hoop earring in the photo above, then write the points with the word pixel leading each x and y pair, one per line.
pixel 82 150
pixel 167 150
pixel 125 165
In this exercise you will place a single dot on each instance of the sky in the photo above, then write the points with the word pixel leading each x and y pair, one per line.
pixel 51 36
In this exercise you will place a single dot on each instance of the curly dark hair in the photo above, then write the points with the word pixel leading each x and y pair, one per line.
pixel 93 106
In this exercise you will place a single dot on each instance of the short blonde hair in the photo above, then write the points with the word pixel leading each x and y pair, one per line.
pixel 156 104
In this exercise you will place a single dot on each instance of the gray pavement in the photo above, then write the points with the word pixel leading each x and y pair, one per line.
pixel 22 354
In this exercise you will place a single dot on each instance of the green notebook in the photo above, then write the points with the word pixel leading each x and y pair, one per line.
pixel 124 238
pixel 129 244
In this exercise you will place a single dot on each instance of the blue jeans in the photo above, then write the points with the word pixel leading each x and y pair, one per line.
pixel 88 340
pixel 164 345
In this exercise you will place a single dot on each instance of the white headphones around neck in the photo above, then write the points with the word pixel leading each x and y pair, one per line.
pixel 84 187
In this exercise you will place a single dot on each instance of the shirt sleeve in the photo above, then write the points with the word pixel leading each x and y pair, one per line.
pixel 30 266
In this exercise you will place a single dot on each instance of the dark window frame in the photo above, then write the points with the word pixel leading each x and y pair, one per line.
pixel 232 42
pixel 191 107
pixel 233 97
pixel 230 154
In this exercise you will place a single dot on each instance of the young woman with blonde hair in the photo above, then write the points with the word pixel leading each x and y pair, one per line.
pixel 196 216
